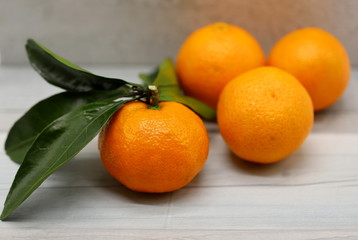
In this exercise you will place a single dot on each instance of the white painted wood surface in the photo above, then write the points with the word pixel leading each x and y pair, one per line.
pixel 313 194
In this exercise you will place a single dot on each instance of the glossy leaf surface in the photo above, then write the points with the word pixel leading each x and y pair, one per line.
pixel 57 144
pixel 64 74
pixel 25 130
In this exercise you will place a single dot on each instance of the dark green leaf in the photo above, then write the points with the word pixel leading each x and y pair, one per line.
pixel 64 74
pixel 28 127
pixel 58 143
pixel 169 90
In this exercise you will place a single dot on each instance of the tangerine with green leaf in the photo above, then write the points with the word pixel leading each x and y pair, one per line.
pixel 154 149
pixel 149 146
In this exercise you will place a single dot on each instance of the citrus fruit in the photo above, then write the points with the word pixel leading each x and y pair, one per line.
pixel 264 115
pixel 318 60
pixel 213 55
pixel 154 150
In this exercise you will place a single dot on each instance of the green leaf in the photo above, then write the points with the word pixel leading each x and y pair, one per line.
pixel 58 143
pixel 169 90
pixel 166 79
pixel 150 77
pixel 199 107
pixel 25 130
pixel 64 74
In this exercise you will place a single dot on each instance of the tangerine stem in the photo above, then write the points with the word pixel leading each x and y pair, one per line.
pixel 154 96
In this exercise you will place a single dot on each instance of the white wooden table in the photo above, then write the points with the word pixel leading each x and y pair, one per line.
pixel 313 194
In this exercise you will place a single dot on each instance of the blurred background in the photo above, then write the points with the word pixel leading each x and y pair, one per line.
pixel 116 32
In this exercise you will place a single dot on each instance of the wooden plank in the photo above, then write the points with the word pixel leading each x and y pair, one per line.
pixel 120 234
pixel 219 208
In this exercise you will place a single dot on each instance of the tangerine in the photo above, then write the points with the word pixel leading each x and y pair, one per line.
pixel 154 150
pixel 264 115
pixel 318 60
pixel 212 56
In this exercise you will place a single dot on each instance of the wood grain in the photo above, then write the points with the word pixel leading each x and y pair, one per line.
pixel 313 194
